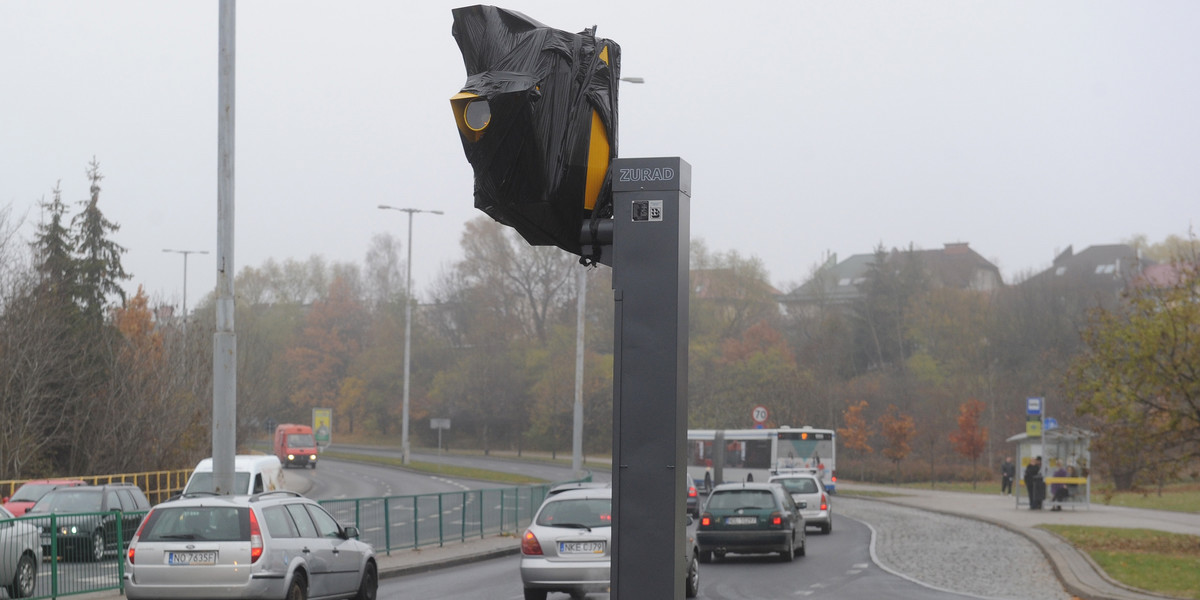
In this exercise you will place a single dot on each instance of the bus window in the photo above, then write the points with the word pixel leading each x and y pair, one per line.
pixel 758 454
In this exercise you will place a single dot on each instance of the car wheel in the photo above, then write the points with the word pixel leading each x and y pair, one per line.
pixel 718 555
pixel 298 590
pixel 369 584
pixel 790 552
pixel 24 578
pixel 706 556
pixel 803 549
pixel 97 552
pixel 827 526
pixel 692 582
pixel 532 594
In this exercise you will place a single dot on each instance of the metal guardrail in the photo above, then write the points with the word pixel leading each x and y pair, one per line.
pixel 67 566
pixel 157 485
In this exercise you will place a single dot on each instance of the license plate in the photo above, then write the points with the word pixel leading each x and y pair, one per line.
pixel 191 558
pixel 581 547
pixel 741 521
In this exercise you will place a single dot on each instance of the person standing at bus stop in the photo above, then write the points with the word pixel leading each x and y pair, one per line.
pixel 1008 472
pixel 1034 483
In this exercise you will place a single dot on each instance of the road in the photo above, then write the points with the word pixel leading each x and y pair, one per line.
pixel 838 565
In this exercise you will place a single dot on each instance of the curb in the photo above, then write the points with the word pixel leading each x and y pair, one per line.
pixel 446 563
pixel 1059 557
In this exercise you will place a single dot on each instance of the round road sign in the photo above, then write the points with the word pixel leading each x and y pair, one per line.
pixel 759 414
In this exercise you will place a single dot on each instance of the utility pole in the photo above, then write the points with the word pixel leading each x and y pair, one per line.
pixel 404 447
pixel 224 432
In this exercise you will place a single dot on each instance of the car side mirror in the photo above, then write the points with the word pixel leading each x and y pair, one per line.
pixel 350 532
pixel 690 520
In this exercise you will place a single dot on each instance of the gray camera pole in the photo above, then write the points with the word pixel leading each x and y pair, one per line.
pixel 650 261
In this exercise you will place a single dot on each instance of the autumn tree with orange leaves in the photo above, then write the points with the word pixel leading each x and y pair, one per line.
pixel 856 433
pixel 898 430
pixel 971 438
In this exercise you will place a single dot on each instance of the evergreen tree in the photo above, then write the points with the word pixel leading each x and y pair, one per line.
pixel 54 253
pixel 99 257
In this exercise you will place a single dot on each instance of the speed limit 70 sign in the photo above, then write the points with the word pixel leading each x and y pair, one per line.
pixel 759 414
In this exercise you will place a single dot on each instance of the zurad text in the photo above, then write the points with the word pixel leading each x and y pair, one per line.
pixel 646 174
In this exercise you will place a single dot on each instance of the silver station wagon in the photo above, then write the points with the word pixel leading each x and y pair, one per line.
pixel 270 545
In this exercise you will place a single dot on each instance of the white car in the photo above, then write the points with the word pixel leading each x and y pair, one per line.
pixel 20 554
pixel 568 548
pixel 809 494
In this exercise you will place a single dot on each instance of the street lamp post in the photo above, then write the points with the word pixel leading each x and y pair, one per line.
pixel 404 448
pixel 185 254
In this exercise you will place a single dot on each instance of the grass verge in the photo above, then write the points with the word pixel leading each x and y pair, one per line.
pixel 1178 497
pixel 438 469
pixel 1157 561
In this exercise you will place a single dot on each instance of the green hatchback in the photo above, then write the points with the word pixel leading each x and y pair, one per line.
pixel 750 518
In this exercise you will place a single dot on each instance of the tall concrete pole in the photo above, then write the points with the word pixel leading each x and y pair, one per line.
pixel 577 429
pixel 224 431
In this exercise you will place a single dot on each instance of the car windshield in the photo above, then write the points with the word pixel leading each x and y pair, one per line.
pixel 300 440
pixel 798 485
pixel 69 501
pixel 735 499
pixel 577 512
pixel 203 482
pixel 31 492
pixel 214 524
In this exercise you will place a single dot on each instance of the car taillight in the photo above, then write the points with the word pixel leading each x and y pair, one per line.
pixel 137 534
pixel 530 545
pixel 776 519
pixel 692 491
pixel 706 520
pixel 824 502
pixel 256 541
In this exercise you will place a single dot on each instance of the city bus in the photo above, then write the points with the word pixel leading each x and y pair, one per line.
pixel 756 454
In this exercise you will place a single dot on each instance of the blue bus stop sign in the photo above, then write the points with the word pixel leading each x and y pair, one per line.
pixel 1033 406
pixel 1050 423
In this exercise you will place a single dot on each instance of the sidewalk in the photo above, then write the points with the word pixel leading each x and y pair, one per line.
pixel 429 558
pixel 1078 573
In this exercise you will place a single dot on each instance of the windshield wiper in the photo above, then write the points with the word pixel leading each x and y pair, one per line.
pixel 574 526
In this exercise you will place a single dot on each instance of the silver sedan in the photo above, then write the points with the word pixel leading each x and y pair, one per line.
pixel 20 553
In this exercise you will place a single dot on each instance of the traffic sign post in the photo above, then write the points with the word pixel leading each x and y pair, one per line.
pixel 1034 413
pixel 439 425
pixel 760 414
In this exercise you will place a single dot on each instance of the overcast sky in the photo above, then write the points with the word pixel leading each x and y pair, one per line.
pixel 811 127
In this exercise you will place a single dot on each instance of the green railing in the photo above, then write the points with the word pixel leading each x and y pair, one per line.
pixel 71 553
pixel 64 545
pixel 406 522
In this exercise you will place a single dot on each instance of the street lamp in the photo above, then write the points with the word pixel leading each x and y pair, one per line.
pixel 185 254
pixel 404 453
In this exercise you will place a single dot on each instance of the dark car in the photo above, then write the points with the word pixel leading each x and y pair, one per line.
pixel 83 522
pixel 693 501
pixel 750 518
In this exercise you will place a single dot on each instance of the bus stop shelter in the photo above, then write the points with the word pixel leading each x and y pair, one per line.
pixel 1066 461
